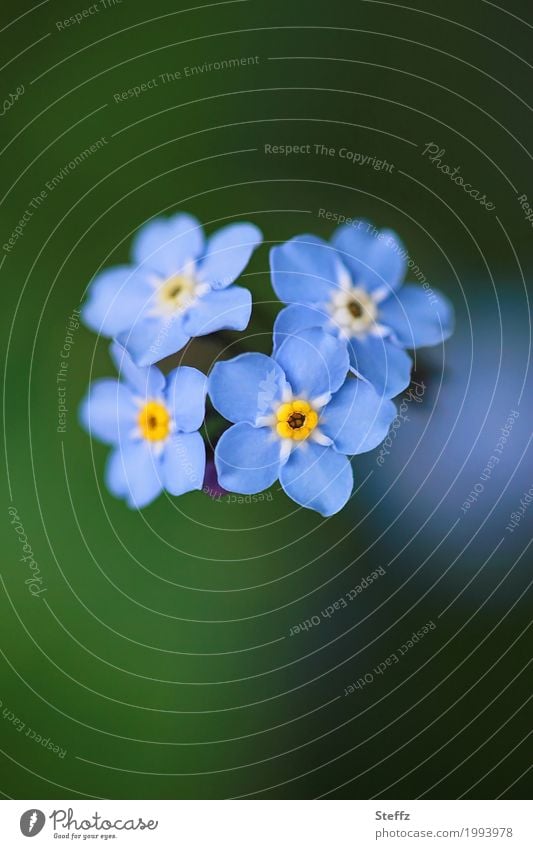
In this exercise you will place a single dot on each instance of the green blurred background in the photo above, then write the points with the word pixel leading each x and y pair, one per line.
pixel 159 659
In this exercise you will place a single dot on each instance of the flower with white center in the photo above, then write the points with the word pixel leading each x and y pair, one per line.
pixel 179 285
pixel 353 289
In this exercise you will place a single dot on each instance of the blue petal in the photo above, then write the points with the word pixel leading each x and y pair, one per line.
pixel 153 339
pixel 296 317
pixel 229 309
pixel 375 260
pixel 386 366
pixel 227 254
pixel 315 362
pixel 183 463
pixel 357 418
pixel 418 317
pixel 185 395
pixel 247 458
pixel 318 478
pixel 166 244
pixel 114 475
pixel 304 270
pixel 146 382
pixel 108 411
pixel 246 387
pixel 116 298
pixel 134 473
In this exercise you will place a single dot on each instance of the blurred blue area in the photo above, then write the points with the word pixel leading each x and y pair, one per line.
pixel 461 453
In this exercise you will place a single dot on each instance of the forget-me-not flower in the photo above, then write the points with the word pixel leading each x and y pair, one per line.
pixel 296 416
pixel 353 288
pixel 152 424
pixel 178 286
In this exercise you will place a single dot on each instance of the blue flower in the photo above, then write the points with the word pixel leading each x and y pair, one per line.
pixel 353 288
pixel 296 416
pixel 152 423
pixel 177 287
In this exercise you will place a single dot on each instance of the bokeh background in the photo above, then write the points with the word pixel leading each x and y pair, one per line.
pixel 158 661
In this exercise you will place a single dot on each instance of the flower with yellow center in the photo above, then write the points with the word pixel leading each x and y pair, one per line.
pixel 295 420
pixel 312 417
pixel 151 421
pixel 154 421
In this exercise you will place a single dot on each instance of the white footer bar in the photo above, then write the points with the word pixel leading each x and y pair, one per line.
pixel 268 824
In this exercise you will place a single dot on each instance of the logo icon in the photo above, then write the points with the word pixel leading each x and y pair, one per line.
pixel 32 822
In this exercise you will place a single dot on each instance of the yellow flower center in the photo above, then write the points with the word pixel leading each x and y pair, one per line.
pixel 295 420
pixel 154 421
pixel 176 292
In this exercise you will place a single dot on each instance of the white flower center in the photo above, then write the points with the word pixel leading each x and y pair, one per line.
pixel 353 311
pixel 176 293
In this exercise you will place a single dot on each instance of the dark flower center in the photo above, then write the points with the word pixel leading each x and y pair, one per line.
pixel 296 420
pixel 174 292
pixel 355 308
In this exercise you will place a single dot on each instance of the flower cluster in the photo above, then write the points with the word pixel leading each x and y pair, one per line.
pixel 339 356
